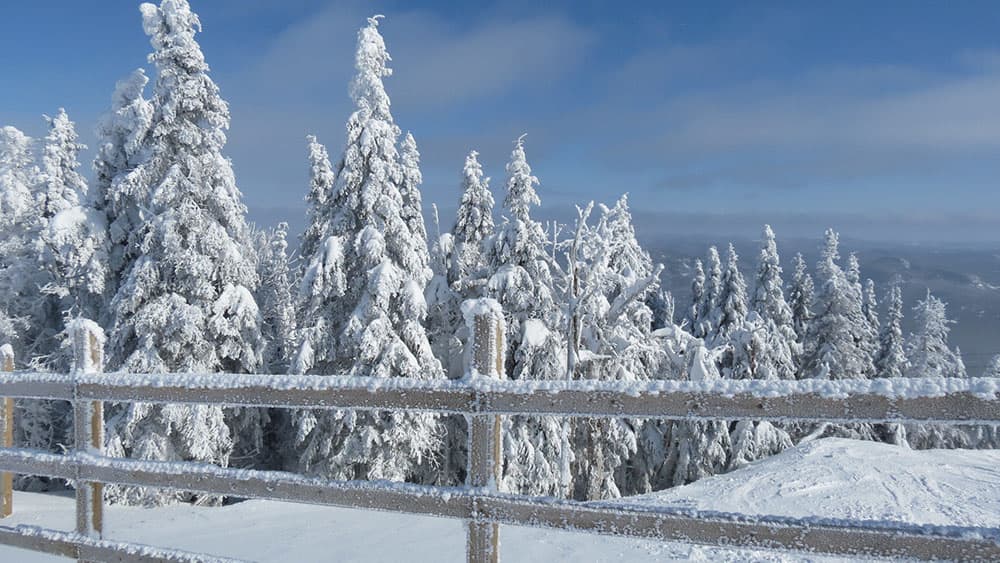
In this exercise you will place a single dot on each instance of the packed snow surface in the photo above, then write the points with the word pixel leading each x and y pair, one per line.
pixel 831 478
pixel 840 478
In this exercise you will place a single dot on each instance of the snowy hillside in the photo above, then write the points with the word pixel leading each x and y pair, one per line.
pixel 842 478
pixel 830 477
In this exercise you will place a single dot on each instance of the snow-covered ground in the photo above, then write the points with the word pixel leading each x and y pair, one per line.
pixel 832 477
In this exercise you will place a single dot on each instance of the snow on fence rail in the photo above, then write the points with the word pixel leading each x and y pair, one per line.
pixel 482 400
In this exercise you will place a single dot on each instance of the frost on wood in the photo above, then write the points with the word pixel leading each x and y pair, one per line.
pixel 484 321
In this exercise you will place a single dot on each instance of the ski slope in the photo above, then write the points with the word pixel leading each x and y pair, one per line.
pixel 832 477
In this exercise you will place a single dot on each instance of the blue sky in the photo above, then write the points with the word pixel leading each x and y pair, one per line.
pixel 881 119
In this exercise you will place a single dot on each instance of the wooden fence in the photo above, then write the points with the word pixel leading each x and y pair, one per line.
pixel 483 399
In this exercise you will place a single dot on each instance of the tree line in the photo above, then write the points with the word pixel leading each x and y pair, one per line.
pixel 158 251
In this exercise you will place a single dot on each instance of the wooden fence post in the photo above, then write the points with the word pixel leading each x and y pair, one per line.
pixel 485 356
pixel 6 435
pixel 88 424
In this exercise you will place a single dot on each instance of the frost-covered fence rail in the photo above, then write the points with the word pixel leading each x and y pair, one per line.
pixel 940 400
pixel 483 399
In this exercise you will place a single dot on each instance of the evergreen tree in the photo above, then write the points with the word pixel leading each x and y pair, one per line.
pixel 186 303
pixel 708 318
pixel 18 231
pixel 869 306
pixel 801 295
pixel 929 355
pixel 121 135
pixel 927 348
pixel 361 302
pixel 473 225
pixel 321 184
pixel 522 279
pixel 275 297
pixel 768 298
pixel 731 307
pixel 836 337
pixel 693 316
pixel 412 210
pixel 891 360
pixel 537 449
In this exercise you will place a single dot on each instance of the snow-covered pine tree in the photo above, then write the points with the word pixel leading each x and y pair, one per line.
pixel 708 315
pixel 321 185
pixel 836 337
pixel 69 254
pixel 927 348
pixel 361 301
pixel 801 296
pixel 836 343
pixel 186 303
pixel 891 360
pixel 121 137
pixel 731 304
pixel 412 208
pixel 71 244
pixel 537 450
pixel 929 355
pixel 458 261
pixel 869 306
pixel 768 298
pixel 473 227
pixel 693 316
pixel 275 299
pixel 18 227
pixel 867 318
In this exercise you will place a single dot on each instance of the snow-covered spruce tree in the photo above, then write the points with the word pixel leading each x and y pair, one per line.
pixel 71 242
pixel 322 178
pixel 927 348
pixel 121 138
pixel 70 258
pixel 693 317
pixel 18 227
pixel 929 355
pixel 867 320
pixel 836 338
pixel 361 301
pixel 801 296
pixel 768 297
pixel 731 304
pixel 891 360
pixel 837 335
pixel 869 306
pixel 537 450
pixel 269 448
pixel 708 315
pixel 412 208
pixel 275 298
pixel 473 227
pixel 186 302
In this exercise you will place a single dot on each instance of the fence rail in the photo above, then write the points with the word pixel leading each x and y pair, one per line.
pixel 482 400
